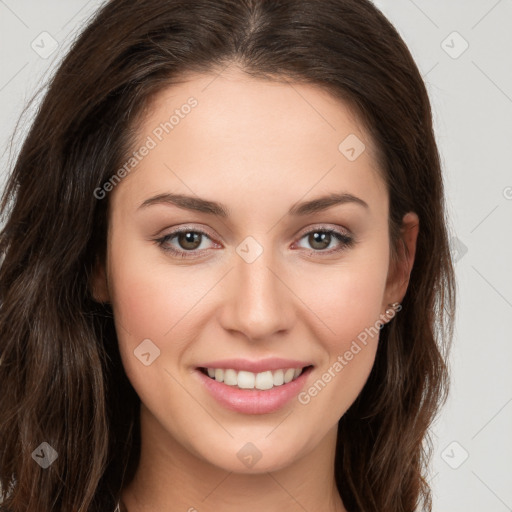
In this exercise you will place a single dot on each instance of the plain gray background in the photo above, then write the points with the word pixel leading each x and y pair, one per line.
pixel 464 51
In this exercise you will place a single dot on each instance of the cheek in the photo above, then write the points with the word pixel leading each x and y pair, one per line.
pixel 345 300
pixel 148 304
pixel 349 345
pixel 347 303
pixel 140 304
pixel 149 296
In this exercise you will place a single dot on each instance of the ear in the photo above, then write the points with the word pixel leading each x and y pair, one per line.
pixel 99 284
pixel 400 270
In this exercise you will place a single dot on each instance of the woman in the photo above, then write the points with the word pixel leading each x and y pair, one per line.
pixel 226 279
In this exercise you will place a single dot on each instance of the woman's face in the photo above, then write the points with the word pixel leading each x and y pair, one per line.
pixel 255 276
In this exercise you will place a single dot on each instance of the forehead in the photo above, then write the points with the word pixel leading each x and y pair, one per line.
pixel 215 133
pixel 233 100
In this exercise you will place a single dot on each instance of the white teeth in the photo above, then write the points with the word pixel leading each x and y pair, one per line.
pixel 249 380
pixel 264 380
pixel 278 378
pixel 230 377
pixel 245 380
pixel 288 375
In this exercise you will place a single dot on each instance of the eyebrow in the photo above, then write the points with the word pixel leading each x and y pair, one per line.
pixel 213 208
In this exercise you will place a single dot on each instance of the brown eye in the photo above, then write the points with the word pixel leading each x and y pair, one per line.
pixel 319 240
pixel 189 240
pixel 186 243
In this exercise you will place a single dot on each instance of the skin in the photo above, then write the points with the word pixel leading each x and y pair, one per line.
pixel 258 147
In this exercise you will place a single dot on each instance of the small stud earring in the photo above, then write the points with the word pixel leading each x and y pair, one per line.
pixel 392 308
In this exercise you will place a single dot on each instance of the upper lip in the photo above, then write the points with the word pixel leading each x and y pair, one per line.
pixel 273 363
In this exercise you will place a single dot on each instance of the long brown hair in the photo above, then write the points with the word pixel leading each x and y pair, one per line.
pixel 61 376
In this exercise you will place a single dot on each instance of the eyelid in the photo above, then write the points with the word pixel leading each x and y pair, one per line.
pixel 325 227
pixel 184 228
pixel 320 227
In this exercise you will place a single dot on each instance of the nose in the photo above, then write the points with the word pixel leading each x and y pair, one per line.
pixel 258 301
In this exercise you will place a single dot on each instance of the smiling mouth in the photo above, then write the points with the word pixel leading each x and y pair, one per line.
pixel 257 381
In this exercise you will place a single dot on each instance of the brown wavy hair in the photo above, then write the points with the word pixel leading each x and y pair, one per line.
pixel 61 375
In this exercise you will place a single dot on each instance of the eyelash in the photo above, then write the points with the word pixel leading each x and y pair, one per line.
pixel 347 242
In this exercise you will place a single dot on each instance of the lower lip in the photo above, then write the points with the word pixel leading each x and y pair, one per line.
pixel 254 401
